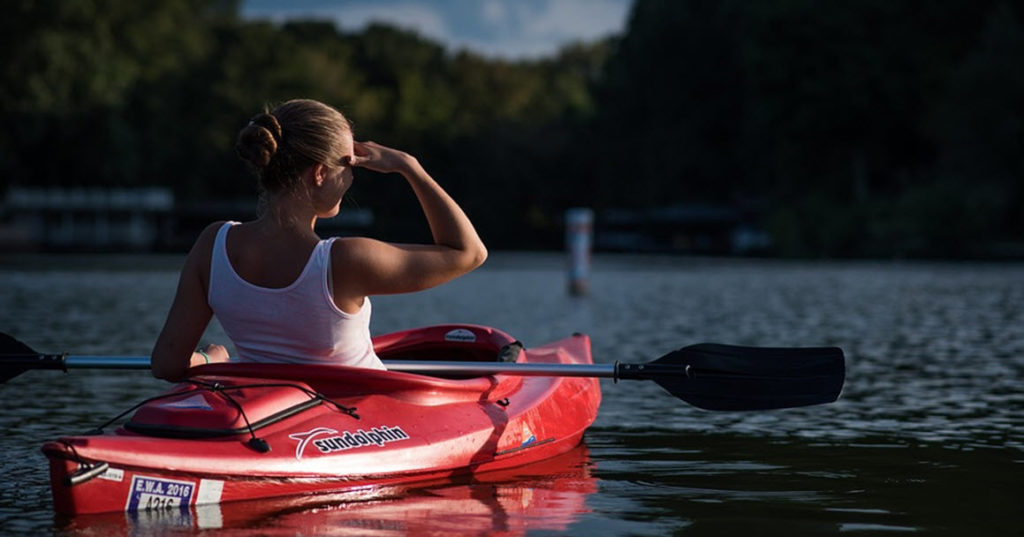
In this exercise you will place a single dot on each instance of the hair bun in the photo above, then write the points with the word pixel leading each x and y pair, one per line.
pixel 269 122
pixel 258 141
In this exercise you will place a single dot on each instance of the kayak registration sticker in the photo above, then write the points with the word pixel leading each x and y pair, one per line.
pixel 159 493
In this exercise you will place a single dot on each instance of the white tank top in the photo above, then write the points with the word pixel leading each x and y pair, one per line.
pixel 297 324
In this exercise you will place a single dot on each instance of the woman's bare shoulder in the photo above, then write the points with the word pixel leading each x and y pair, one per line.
pixel 347 250
pixel 202 249
pixel 204 242
pixel 209 233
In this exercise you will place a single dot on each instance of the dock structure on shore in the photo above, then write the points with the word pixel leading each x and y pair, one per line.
pixel 85 218
pixel 122 219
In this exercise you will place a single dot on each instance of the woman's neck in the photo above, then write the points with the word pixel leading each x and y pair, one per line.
pixel 288 214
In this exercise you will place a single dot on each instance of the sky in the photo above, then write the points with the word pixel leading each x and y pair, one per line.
pixel 510 29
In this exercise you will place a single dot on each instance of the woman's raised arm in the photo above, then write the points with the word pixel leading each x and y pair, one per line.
pixel 368 267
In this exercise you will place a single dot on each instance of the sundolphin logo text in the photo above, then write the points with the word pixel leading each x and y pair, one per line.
pixel 304 438
pixel 347 440
pixel 378 436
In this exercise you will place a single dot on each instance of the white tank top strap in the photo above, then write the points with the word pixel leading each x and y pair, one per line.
pixel 220 266
pixel 323 255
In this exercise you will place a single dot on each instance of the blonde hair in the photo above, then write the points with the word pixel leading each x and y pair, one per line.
pixel 280 143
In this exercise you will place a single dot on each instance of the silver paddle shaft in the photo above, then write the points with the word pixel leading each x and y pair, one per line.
pixel 406 366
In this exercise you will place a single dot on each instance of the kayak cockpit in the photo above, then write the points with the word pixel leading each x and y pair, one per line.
pixel 226 399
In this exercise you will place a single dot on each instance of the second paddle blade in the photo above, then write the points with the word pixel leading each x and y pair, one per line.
pixel 13 354
pixel 728 377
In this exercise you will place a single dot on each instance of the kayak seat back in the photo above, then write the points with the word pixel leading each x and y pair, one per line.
pixel 449 343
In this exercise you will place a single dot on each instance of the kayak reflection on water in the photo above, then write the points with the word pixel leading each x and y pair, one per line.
pixel 549 495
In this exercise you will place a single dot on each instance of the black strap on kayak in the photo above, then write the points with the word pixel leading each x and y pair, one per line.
pixel 136 406
pixel 215 387
pixel 255 442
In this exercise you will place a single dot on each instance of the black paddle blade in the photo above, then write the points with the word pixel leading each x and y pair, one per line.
pixel 10 346
pixel 728 377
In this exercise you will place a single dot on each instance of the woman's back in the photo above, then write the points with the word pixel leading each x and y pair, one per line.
pixel 297 322
pixel 265 260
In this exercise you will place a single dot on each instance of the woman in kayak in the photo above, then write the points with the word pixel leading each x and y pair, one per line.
pixel 283 294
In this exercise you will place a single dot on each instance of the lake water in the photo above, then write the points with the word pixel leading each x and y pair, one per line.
pixel 928 437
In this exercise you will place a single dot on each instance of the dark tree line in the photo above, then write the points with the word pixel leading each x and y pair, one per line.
pixel 852 128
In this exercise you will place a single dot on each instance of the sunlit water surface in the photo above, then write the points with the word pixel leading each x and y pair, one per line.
pixel 928 436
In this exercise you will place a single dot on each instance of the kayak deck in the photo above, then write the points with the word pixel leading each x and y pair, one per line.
pixel 245 431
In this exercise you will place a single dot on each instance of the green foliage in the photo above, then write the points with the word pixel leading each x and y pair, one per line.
pixel 862 128
pixel 868 128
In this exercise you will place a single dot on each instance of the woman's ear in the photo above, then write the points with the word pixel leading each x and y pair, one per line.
pixel 318 172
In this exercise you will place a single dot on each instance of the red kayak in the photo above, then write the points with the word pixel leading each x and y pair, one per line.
pixel 247 431
pixel 545 496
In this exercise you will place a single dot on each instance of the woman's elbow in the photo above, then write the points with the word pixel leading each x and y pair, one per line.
pixel 466 258
pixel 163 370
pixel 478 256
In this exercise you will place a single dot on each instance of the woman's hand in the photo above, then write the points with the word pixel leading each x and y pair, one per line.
pixel 216 353
pixel 376 157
